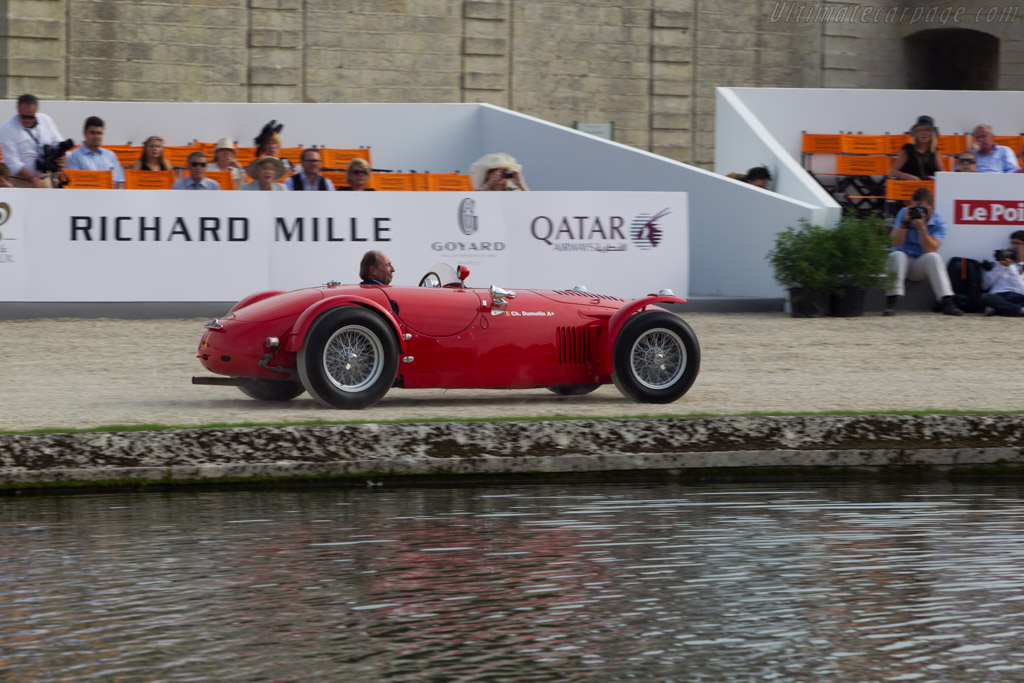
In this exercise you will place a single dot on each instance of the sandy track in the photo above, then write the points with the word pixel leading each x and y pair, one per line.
pixel 82 373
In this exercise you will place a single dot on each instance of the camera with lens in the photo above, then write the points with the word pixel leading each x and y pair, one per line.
pixel 47 163
pixel 915 212
pixel 508 174
pixel 1004 254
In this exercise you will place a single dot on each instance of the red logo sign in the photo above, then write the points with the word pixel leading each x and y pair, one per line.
pixel 988 212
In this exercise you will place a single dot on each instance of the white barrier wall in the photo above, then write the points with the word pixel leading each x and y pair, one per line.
pixel 982 209
pixel 220 246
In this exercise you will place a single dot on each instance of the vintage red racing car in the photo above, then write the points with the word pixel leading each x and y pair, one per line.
pixel 347 345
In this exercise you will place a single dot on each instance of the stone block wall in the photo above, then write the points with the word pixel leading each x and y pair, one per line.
pixel 651 66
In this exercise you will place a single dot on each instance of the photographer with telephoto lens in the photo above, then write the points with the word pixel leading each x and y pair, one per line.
pixel 24 139
pixel 1004 280
pixel 916 235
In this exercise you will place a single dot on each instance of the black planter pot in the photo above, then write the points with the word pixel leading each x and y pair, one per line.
pixel 850 304
pixel 805 304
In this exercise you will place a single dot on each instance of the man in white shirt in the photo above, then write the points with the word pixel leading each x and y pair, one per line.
pixel 1004 282
pixel 22 138
pixel 309 177
pixel 91 157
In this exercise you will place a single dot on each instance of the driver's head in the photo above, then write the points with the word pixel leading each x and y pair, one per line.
pixel 376 266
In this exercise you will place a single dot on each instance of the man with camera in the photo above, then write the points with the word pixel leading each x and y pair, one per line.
pixel 917 234
pixel 31 144
pixel 1004 280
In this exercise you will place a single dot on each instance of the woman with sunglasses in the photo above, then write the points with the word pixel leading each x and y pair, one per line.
pixel 918 160
pixel 966 162
pixel 357 177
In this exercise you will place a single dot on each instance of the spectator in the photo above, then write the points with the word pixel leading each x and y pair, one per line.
pixel 21 141
pixel 152 157
pixel 376 269
pixel 497 172
pixel 357 177
pixel 992 158
pixel 91 157
pixel 266 170
pixel 309 177
pixel 758 176
pixel 917 234
pixel 918 160
pixel 268 143
pixel 5 176
pixel 196 178
pixel 1005 282
pixel 225 158
pixel 966 162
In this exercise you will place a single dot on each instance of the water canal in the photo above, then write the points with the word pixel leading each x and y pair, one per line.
pixel 843 582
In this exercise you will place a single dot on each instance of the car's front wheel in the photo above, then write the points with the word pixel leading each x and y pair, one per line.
pixel 349 359
pixel 656 357
pixel 271 389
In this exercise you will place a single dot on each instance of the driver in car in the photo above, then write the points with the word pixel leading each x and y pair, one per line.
pixel 376 269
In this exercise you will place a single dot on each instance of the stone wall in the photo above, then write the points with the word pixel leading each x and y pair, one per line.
pixel 651 66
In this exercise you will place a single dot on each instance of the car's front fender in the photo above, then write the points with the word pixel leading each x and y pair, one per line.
pixel 619 319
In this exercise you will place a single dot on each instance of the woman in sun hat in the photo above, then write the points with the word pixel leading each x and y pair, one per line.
pixel 225 158
pixel 497 172
pixel 267 171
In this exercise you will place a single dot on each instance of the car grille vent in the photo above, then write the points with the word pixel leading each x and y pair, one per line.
pixel 575 345
pixel 587 295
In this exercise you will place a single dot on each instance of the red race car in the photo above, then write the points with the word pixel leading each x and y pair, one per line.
pixel 347 345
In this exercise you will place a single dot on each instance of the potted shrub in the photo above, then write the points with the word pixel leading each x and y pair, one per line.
pixel 802 259
pixel 860 248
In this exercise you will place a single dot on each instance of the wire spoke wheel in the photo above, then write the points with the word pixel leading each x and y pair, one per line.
pixel 353 358
pixel 658 358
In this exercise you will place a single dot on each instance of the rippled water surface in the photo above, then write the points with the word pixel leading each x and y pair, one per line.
pixel 864 582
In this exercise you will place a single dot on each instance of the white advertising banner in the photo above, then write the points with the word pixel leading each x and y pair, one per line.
pixel 110 246
pixel 982 209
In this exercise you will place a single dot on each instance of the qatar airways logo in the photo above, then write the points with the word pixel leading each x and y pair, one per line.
pixel 988 212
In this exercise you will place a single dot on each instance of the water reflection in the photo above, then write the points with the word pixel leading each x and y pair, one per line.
pixel 842 583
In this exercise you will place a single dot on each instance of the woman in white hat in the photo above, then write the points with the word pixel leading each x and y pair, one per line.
pixel 497 172
pixel 266 171
pixel 225 158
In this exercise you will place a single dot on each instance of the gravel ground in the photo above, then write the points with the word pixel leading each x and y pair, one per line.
pixel 74 373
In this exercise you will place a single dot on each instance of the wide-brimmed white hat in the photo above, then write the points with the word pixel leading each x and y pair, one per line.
pixel 254 168
pixel 224 143
pixel 478 171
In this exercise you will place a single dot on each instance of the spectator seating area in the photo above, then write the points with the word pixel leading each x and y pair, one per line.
pixel 334 163
pixel 854 167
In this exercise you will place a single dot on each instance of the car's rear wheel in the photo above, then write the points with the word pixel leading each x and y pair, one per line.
pixel 656 357
pixel 349 359
pixel 271 389
pixel 574 389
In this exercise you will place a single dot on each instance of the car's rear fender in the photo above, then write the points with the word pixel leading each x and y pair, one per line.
pixel 253 298
pixel 309 316
pixel 619 319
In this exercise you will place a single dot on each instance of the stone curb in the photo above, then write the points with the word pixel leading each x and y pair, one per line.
pixel 459 448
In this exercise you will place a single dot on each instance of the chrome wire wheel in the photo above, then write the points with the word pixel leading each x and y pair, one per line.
pixel 657 358
pixel 353 358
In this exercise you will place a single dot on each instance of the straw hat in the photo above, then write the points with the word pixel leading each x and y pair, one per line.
pixel 253 169
pixel 224 143
pixel 478 171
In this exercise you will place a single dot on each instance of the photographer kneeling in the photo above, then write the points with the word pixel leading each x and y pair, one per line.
pixel 917 234
pixel 1004 280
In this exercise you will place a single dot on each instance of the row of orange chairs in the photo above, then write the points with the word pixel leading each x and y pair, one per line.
pixel 163 180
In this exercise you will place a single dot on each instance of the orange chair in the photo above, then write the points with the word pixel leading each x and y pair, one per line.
pixel 292 154
pixel 393 182
pixel 126 154
pixel 177 155
pixel 449 182
pixel 339 158
pixel 820 144
pixel 89 180
pixel 864 144
pixel 224 178
pixel 862 164
pixel 148 180
pixel 903 190
pixel 245 155
pixel 952 144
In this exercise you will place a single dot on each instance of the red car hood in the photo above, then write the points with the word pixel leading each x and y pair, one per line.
pixel 279 306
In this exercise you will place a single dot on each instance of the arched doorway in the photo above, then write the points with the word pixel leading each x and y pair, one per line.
pixel 952 59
